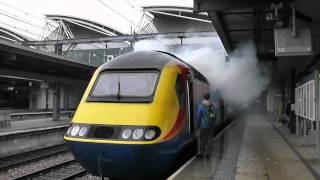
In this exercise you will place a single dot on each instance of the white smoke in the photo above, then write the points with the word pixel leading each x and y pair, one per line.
pixel 239 80
pixel 148 45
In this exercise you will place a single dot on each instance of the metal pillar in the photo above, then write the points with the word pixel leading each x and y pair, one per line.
pixel 58 49
pixel 283 98
pixel 317 111
pixel 181 39
pixel 56 93
pixel 304 127
pixel 56 101
pixel 47 98
pixel 292 99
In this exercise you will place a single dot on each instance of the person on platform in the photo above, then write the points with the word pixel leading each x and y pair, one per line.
pixel 205 117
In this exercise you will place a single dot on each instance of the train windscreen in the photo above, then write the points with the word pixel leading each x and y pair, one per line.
pixel 125 84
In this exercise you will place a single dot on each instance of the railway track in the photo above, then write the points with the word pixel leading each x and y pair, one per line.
pixel 32 156
pixel 63 171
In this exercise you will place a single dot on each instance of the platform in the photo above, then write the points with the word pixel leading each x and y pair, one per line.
pixel 32 124
pixel 249 149
pixel 28 135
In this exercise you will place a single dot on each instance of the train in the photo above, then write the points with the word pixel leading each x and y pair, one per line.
pixel 137 116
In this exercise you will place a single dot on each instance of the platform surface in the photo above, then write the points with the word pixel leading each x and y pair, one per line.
pixel 249 149
pixel 34 124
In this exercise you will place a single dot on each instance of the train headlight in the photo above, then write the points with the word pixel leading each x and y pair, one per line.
pixel 126 133
pixel 83 131
pixel 150 134
pixel 75 130
pixel 69 130
pixel 137 133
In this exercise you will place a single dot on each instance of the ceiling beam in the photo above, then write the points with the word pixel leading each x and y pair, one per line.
pixel 42 76
pixel 219 26
pixel 120 38
pixel 9 47
pixel 222 5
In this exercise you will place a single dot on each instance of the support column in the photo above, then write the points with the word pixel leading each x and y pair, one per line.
pixel 58 49
pixel 292 99
pixel 56 101
pixel 304 127
pixel 181 39
pixel 47 98
pixel 283 98
pixel 56 91
pixel 316 87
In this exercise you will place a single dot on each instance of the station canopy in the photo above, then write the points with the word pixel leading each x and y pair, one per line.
pixel 96 31
pixel 91 42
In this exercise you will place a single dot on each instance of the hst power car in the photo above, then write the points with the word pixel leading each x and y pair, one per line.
pixel 137 116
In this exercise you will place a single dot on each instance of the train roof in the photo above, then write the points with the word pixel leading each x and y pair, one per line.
pixel 148 60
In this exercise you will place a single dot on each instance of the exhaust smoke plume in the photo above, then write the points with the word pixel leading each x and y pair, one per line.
pixel 239 79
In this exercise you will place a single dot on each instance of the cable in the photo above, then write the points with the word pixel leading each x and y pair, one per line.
pixel 18 18
pixel 20 29
pixel 134 7
pixel 132 23
pixel 13 16
pixel 21 21
pixel 26 13
pixel 140 11
pixel 115 11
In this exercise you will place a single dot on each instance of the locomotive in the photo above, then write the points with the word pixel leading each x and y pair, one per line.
pixel 137 116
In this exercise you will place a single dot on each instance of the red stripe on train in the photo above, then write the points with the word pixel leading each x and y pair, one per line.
pixel 178 126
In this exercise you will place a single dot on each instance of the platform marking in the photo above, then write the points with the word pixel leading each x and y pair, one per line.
pixel 181 168
pixel 194 157
pixel 226 128
pixel 32 130
pixel 304 161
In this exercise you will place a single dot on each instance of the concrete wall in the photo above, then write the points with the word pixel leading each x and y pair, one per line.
pixel 70 96
pixel 28 141
pixel 272 92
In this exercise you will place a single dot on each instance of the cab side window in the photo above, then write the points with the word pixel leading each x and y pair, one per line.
pixel 181 91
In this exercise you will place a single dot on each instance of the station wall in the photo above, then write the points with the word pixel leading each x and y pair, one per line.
pixel 272 91
pixel 70 97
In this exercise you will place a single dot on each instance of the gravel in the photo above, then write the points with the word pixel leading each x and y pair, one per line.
pixel 90 177
pixel 34 166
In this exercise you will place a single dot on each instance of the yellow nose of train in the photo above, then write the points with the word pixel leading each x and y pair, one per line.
pixel 128 104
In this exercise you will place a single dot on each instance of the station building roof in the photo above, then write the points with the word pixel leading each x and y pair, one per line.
pixel 178 19
pixel 84 28
pixel 17 59
pixel 9 35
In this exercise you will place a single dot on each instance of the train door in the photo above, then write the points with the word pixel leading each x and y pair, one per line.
pixel 190 106
pixel 184 93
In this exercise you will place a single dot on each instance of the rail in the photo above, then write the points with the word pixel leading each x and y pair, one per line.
pixel 63 171
pixel 12 161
